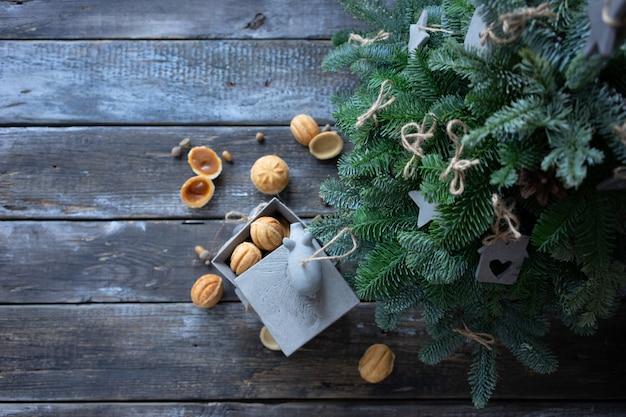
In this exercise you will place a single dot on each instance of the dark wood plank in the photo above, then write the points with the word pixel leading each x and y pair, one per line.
pixel 189 19
pixel 327 409
pixel 165 82
pixel 103 173
pixel 118 261
pixel 169 352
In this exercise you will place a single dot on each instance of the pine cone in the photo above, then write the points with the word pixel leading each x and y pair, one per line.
pixel 542 184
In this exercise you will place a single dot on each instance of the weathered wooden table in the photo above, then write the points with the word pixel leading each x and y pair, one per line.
pixel 96 248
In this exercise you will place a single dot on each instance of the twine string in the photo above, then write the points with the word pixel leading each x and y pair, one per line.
pixel 485 339
pixel 610 20
pixel 620 173
pixel 415 147
pixel 513 23
pixel 239 217
pixel 503 215
pixel 314 256
pixel 385 89
pixel 380 36
pixel 457 164
pixel 621 132
pixel 434 28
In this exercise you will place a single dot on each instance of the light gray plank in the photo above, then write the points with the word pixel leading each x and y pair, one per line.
pixel 165 82
pixel 190 19
pixel 108 261
pixel 129 173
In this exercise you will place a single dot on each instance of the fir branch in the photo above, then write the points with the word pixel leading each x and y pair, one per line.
pixel 511 119
pixel 531 290
pixel 595 232
pixel 526 348
pixel 463 223
pixel 384 272
pixel 341 57
pixel 389 311
pixel 436 350
pixel 372 12
pixel 435 264
pixel 340 195
pixel 375 225
pixel 432 313
pixel 483 376
pixel 325 229
pixel 571 152
pixel 556 223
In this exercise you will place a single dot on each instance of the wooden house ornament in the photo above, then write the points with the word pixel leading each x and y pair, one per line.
pixel 501 262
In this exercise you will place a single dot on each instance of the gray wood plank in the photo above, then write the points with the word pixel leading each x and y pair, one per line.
pixel 108 261
pixel 327 409
pixel 129 173
pixel 189 19
pixel 169 352
pixel 165 82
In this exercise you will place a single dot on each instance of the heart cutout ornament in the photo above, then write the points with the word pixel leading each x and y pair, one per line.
pixel 501 262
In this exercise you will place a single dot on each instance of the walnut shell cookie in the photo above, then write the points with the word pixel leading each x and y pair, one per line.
pixel 267 233
pixel 376 363
pixel 244 256
pixel 207 291
pixel 270 174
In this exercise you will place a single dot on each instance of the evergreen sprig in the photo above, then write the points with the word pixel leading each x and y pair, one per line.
pixel 532 105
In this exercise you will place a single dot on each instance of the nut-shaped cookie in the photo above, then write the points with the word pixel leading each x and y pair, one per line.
pixel 376 363
pixel 270 174
pixel 197 191
pixel 207 291
pixel 266 233
pixel 304 128
pixel 204 161
pixel 244 256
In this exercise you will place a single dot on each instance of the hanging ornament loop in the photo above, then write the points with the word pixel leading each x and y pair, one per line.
pixel 505 224
pixel 621 132
pixel 610 20
pixel 485 339
pixel 314 256
pixel 458 165
pixel 513 23
pixel 385 89
pixel 412 142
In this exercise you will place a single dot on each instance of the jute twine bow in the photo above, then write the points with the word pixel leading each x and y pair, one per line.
pixel 457 164
pixel 621 132
pixel 505 224
pixel 314 256
pixel 484 339
pixel 381 36
pixel 385 89
pixel 608 19
pixel 415 147
pixel 513 23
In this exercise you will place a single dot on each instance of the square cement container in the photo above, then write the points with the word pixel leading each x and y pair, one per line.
pixel 291 318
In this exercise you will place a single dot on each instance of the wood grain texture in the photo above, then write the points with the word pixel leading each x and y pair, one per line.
pixel 169 352
pixel 327 409
pixel 108 261
pixel 129 173
pixel 165 82
pixel 188 19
